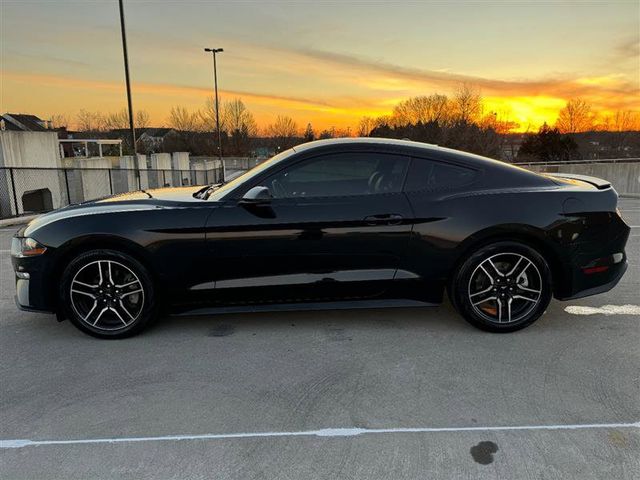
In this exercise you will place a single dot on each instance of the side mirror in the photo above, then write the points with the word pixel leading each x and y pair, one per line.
pixel 257 196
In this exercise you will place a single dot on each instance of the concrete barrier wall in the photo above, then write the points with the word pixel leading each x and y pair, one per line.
pixel 144 175
pixel 180 166
pixel 29 149
pixel 160 161
pixel 625 177
pixel 94 177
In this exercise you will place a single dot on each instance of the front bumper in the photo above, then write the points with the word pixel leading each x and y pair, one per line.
pixel 35 293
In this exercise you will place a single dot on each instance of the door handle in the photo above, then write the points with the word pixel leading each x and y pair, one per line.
pixel 384 219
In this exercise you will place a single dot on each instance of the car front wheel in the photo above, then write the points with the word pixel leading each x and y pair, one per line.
pixel 503 287
pixel 107 294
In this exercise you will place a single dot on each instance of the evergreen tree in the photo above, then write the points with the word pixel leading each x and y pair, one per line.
pixel 548 145
pixel 309 134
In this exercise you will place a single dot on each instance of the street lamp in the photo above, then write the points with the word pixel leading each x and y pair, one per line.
pixel 128 84
pixel 215 87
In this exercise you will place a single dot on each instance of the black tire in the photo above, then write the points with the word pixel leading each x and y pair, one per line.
pixel 502 300
pixel 125 308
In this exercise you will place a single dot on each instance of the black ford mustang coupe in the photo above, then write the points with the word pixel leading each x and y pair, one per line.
pixel 337 223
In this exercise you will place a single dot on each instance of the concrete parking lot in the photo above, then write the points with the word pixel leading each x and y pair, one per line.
pixel 411 393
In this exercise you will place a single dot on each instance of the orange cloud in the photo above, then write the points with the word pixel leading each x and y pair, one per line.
pixel 378 86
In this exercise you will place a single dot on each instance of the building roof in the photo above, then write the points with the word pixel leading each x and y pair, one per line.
pixel 158 132
pixel 23 122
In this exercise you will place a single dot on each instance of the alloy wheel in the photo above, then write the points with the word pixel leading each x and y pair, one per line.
pixel 505 288
pixel 107 295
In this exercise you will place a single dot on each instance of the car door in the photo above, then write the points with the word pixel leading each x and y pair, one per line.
pixel 337 226
pixel 441 221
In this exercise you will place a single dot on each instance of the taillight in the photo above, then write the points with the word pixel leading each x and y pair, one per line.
pixel 591 270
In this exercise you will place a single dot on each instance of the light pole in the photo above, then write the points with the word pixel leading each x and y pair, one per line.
pixel 128 82
pixel 215 87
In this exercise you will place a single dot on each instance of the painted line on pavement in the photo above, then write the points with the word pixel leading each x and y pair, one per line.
pixel 604 310
pixel 327 432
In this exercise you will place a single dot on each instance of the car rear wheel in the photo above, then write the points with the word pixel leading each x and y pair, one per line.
pixel 107 294
pixel 503 287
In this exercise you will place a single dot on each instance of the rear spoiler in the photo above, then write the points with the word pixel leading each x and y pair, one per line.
pixel 599 183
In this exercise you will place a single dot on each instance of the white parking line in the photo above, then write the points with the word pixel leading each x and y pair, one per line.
pixel 327 432
pixel 604 310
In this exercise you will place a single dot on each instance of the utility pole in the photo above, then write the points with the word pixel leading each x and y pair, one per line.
pixel 128 82
pixel 215 88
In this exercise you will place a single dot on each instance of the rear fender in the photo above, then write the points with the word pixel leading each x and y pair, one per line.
pixel 535 238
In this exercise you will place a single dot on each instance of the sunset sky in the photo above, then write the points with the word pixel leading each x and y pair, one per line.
pixel 328 63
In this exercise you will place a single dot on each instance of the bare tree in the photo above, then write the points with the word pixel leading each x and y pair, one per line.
pixel 90 121
pixel 341 132
pixel 283 127
pixel 183 120
pixel 238 118
pixel 622 121
pixel 142 119
pixel 500 122
pixel 283 131
pixel 60 120
pixel 576 116
pixel 365 126
pixel 240 126
pixel 117 120
pixel 467 103
pixel 208 115
pixel 618 129
pixel 421 109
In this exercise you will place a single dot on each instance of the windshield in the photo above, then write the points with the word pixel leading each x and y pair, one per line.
pixel 247 176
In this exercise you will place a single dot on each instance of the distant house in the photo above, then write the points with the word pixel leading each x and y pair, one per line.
pixel 153 138
pixel 23 122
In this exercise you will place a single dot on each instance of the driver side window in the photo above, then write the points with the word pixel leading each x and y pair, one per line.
pixel 343 174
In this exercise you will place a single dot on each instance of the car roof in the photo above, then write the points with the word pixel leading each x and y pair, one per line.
pixel 415 148
pixel 361 141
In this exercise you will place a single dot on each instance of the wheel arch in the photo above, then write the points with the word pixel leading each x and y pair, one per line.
pixel 67 252
pixel 531 236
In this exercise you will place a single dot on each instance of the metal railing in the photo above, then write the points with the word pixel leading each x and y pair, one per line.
pixel 579 162
pixel 25 190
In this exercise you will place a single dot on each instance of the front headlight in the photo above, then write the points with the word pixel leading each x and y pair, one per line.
pixel 26 247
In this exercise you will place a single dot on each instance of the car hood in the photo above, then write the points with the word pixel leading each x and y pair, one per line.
pixel 140 200
pixel 156 195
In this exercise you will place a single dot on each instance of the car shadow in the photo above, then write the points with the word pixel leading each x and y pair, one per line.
pixel 442 318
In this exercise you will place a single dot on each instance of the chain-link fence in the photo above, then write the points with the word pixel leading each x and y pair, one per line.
pixel 35 190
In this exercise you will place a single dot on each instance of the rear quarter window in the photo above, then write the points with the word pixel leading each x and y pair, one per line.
pixel 433 175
